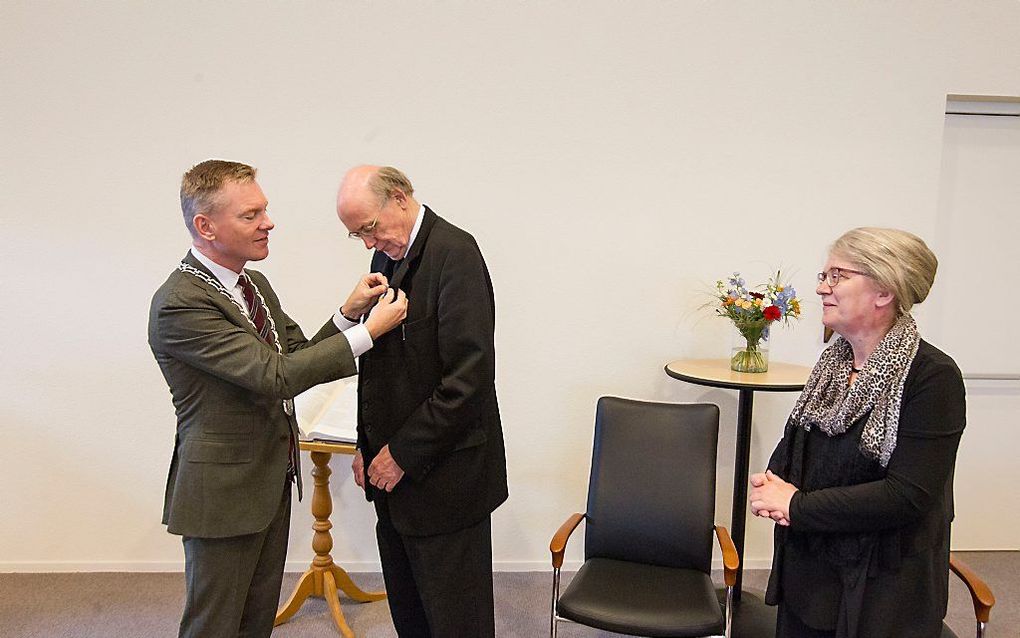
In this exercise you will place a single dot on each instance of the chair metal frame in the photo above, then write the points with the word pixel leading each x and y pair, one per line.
pixel 981 595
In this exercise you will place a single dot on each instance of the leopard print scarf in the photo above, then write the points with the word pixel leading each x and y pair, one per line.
pixel 833 405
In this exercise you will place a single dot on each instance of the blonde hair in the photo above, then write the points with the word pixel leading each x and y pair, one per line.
pixel 201 185
pixel 899 261
pixel 388 179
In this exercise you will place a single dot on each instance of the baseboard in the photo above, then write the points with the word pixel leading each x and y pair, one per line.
pixel 574 565
pixel 43 567
pixel 29 567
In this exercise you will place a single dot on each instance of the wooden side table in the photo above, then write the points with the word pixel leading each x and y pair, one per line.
pixel 781 377
pixel 324 577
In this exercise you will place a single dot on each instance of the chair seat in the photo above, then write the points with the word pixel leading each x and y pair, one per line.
pixel 644 600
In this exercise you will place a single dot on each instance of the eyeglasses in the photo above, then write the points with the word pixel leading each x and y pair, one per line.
pixel 365 231
pixel 835 275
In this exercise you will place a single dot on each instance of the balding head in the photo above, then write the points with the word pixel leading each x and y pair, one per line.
pixel 376 204
pixel 379 181
pixel 355 187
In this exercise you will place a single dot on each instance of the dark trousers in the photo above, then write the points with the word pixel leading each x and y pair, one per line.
pixel 789 625
pixel 234 583
pixel 438 586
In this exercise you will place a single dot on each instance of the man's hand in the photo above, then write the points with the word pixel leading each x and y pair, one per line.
pixel 387 314
pixel 358 468
pixel 360 301
pixel 771 496
pixel 384 473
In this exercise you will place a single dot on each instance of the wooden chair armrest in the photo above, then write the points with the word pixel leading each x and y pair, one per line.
pixel 558 544
pixel 730 559
pixel 979 591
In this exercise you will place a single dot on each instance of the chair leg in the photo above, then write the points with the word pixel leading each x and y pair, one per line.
pixel 729 611
pixel 555 597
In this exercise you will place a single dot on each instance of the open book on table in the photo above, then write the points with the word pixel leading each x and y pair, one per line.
pixel 328 412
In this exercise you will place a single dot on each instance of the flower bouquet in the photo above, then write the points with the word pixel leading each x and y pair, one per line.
pixel 752 312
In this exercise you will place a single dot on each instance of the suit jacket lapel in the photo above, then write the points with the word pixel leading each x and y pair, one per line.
pixel 277 314
pixel 215 292
pixel 416 248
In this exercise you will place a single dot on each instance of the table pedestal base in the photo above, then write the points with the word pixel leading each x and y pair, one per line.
pixel 324 579
pixel 326 582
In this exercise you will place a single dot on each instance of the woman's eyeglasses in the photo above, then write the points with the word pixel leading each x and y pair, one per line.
pixel 834 275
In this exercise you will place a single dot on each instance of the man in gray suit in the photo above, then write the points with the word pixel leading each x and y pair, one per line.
pixel 234 361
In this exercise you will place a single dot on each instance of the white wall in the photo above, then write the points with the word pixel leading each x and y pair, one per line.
pixel 613 160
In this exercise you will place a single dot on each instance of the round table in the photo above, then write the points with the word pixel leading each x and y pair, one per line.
pixel 716 373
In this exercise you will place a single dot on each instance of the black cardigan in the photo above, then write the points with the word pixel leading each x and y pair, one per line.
pixel 871 559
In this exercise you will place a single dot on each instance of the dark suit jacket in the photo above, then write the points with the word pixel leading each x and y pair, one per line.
pixel 233 437
pixel 428 389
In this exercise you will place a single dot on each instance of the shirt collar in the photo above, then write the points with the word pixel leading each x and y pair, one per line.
pixel 414 230
pixel 417 226
pixel 226 276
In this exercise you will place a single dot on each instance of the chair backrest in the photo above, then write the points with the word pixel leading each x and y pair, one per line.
pixel 651 494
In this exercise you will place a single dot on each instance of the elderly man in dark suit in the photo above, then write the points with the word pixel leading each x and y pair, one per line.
pixel 234 361
pixel 431 453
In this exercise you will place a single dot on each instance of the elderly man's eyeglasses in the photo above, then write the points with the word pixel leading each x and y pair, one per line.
pixel 365 231
pixel 835 275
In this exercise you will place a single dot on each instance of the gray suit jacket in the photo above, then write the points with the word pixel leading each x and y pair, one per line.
pixel 233 436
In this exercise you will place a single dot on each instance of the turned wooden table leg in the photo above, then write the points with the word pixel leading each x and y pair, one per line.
pixel 304 589
pixel 347 586
pixel 324 576
pixel 333 601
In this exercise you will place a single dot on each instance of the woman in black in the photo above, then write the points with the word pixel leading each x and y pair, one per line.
pixel 860 486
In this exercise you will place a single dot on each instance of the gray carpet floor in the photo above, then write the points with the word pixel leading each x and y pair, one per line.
pixel 141 605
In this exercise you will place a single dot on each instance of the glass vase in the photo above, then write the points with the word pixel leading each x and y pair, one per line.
pixel 751 352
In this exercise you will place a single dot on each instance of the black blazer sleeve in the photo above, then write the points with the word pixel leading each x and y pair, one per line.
pixel 932 419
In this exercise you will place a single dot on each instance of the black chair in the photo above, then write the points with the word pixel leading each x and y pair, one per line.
pixel 980 595
pixel 650 518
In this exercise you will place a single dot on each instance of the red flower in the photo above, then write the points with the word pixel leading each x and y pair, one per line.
pixel 772 313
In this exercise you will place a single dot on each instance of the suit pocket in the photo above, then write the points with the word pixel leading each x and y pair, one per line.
pixel 405 340
pixel 419 326
pixel 209 451
pixel 421 354
pixel 242 423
